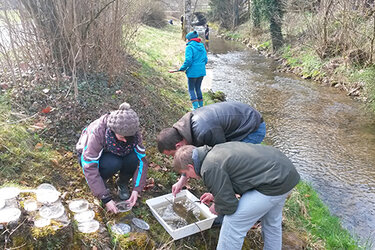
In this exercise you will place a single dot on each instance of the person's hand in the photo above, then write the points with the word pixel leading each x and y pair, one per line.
pixel 212 209
pixel 176 188
pixel 133 198
pixel 111 207
pixel 206 198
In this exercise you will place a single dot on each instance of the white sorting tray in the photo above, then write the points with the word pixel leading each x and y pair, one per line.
pixel 186 230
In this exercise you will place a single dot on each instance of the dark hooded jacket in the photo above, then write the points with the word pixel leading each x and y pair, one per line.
pixel 217 123
pixel 234 168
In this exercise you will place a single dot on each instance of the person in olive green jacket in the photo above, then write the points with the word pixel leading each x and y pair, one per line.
pixel 262 175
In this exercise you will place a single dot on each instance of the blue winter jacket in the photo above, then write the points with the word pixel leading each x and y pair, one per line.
pixel 195 60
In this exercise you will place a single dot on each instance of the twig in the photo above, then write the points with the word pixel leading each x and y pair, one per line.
pixel 17 227
pixel 21 120
pixel 17 247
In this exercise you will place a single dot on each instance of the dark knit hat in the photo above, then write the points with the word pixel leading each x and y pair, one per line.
pixel 191 35
pixel 123 121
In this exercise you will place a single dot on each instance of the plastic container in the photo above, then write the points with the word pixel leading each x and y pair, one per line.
pixel 123 206
pixel 9 193
pixel 121 228
pixel 42 222
pixel 84 216
pixel 190 229
pixel 88 226
pixel 52 211
pixel 30 205
pixel 47 196
pixel 9 214
pixel 140 224
pixel 78 205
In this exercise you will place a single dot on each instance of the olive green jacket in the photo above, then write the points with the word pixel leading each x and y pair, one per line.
pixel 236 167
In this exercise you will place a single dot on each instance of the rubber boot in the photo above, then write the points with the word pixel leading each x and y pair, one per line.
pixel 123 190
pixel 195 105
pixel 200 103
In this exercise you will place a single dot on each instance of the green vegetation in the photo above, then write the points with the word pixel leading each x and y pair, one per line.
pixel 367 76
pixel 21 153
pixel 305 212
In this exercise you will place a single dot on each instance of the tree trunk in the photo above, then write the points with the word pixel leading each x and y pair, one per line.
pixel 187 18
pixel 256 13
pixel 276 35
pixel 235 13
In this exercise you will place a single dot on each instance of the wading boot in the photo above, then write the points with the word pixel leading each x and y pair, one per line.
pixel 122 185
pixel 195 105
pixel 200 103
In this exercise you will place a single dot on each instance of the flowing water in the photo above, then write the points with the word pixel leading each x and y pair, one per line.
pixel 329 137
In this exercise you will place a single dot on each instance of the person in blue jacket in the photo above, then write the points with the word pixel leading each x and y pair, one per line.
pixel 194 67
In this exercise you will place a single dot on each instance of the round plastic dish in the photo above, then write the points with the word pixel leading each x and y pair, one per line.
pixel 141 224
pixel 9 192
pixel 84 216
pixel 88 226
pixel 52 212
pixel 123 206
pixel 47 195
pixel 42 222
pixel 9 214
pixel 46 186
pixel 30 205
pixel 121 228
pixel 79 205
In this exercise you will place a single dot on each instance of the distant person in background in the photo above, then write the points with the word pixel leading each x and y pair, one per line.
pixel 194 67
pixel 207 37
pixel 111 144
pixel 170 22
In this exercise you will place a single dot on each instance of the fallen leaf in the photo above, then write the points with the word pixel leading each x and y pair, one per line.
pixel 38 145
pixel 46 110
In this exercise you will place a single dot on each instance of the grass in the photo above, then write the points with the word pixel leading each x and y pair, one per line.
pixel 160 50
pixel 305 212
pixel 22 153
pixel 367 75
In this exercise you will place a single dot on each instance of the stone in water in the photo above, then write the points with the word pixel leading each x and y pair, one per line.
pixel 120 228
pixel 30 205
pixel 52 212
pixel 9 214
pixel 42 222
pixel 79 205
pixel 9 193
pixel 84 216
pixel 88 226
pixel 140 224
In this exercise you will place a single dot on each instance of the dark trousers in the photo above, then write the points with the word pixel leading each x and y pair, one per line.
pixel 110 164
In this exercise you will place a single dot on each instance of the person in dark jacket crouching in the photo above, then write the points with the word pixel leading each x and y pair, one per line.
pixel 261 175
pixel 111 144
pixel 210 125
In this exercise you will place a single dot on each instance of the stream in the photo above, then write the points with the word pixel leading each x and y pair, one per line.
pixel 329 136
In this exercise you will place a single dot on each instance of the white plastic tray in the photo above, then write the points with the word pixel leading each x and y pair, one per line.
pixel 186 230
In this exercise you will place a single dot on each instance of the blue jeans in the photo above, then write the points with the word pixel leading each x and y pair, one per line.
pixel 254 206
pixel 110 164
pixel 194 86
pixel 257 136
